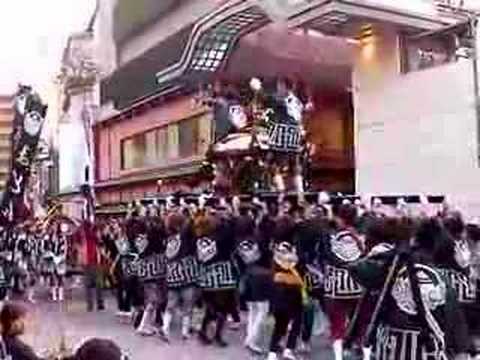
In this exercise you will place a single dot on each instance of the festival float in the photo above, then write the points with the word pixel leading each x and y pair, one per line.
pixel 260 143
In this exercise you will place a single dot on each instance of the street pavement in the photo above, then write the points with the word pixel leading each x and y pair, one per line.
pixel 49 320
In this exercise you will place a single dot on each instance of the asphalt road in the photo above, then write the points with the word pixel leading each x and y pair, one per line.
pixel 49 320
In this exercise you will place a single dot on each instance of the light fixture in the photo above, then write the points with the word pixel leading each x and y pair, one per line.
pixel 353 41
pixel 366 33
pixel 314 33
pixel 367 41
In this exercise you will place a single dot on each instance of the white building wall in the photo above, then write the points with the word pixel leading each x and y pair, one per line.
pixel 167 26
pixel 416 132
pixel 105 49
pixel 73 153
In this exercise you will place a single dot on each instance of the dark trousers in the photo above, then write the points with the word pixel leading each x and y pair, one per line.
pixel 308 321
pixel 219 303
pixel 235 308
pixel 340 312
pixel 124 296
pixel 93 284
pixel 282 320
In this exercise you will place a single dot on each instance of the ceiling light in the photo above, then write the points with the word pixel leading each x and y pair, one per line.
pixel 315 33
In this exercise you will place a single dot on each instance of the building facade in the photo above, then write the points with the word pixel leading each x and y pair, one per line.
pixel 395 84
pixel 71 133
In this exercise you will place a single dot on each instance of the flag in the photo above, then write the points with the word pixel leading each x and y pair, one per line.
pixel 29 118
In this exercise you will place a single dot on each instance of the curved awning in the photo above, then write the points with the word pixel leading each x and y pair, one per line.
pixel 214 37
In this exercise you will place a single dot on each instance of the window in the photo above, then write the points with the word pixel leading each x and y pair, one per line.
pixel 157 147
pixel 173 141
pixel 162 144
pixel 133 152
pixel 428 52
pixel 150 148
pixel 188 136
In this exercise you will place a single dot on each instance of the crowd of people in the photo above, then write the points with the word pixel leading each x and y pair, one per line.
pixel 393 284
pixel 412 278
pixel 31 255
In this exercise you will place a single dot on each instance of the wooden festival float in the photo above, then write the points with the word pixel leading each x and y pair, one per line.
pixel 264 146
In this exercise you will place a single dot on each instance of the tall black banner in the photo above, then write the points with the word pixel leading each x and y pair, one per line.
pixel 30 115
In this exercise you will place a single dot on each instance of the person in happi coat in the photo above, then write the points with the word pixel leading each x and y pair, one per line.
pixel 311 232
pixel 341 291
pixel 217 278
pixel 255 262
pixel 473 237
pixel 135 226
pixel 420 317
pixel 148 235
pixel 122 253
pixel 21 261
pixel 33 251
pixel 289 291
pixel 454 258
pixel 48 261
pixel 182 272
pixel 60 251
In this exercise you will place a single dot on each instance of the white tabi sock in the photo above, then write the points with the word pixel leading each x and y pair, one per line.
pixel 367 353
pixel 144 323
pixel 30 295
pixel 186 320
pixel 61 294
pixel 54 294
pixel 338 349
pixel 167 320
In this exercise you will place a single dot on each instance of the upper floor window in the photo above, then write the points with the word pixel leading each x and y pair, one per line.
pixel 428 52
pixel 166 144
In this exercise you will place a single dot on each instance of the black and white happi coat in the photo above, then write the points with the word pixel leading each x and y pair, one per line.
pixel 342 248
pixel 214 254
pixel 60 251
pixel 125 256
pixel 21 254
pixel 54 254
pixel 47 256
pixel 149 265
pixel 459 273
pixel 181 257
pixel 403 333
pixel 457 269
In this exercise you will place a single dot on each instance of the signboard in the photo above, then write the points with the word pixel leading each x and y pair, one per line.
pixel 284 137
